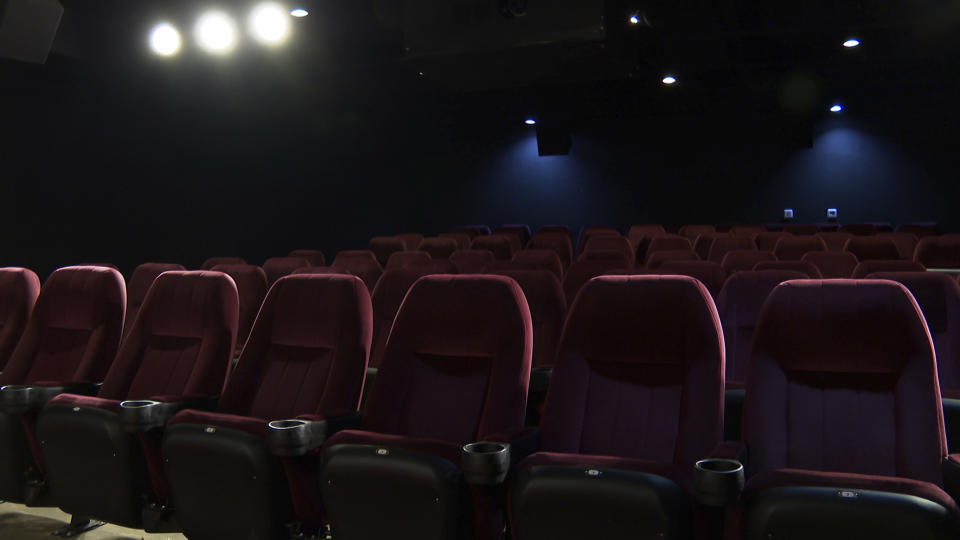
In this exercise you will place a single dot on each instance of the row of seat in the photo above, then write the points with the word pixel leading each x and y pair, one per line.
pixel 842 397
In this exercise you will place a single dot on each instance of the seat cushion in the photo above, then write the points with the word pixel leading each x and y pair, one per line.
pixel 77 400
pixel 588 461
pixel 447 450
pixel 247 424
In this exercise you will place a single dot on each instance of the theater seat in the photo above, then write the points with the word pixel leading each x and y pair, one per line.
pixel 666 242
pixel 68 344
pixel 456 341
pixel 866 268
pixel 277 267
pixel 835 240
pixel 530 259
pixel 611 243
pixel 471 261
pixel 306 358
pixel 797 266
pixel 251 284
pixel 691 232
pixel 19 288
pixel 500 245
pixel 581 272
pixel 703 243
pixel 637 232
pixel 521 231
pixel 842 419
pixel 314 256
pixel 587 233
pixel 860 229
pixel 832 264
pixel 725 244
pixel 361 263
pixel 176 356
pixel 410 240
pixel 658 258
pixel 711 274
pixel 802 229
pixel 793 248
pixel 214 261
pixel 383 247
pixel 556 242
pixel 438 248
pixel 463 240
pixel 938 251
pixel 906 243
pixel 739 260
pixel 635 400
pixel 872 248
pixel 387 297
pixel 140 282
pixel 403 259
pixel 767 241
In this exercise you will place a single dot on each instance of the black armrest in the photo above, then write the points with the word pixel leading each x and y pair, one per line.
pixel 540 380
pixel 951 476
pixel 718 482
pixel 297 437
pixel 142 415
pixel 485 463
pixel 22 399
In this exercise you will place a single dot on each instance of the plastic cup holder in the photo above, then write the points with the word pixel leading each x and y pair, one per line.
pixel 718 482
pixel 17 398
pixel 14 388
pixel 138 403
pixel 485 463
pixel 287 424
pixel 720 466
pixel 485 448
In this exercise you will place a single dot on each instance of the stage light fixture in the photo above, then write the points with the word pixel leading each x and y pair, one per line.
pixel 269 23
pixel 216 32
pixel 165 40
pixel 634 19
pixel 530 122
pixel 299 12
pixel 669 79
pixel 852 42
pixel 836 108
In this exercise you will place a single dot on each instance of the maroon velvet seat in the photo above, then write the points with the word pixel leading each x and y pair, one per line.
pixel 178 351
pixel 314 256
pixel 557 242
pixel 277 267
pixel 19 288
pixel 306 357
pixel 842 399
pixel 637 233
pixel 410 240
pixel 587 233
pixel 872 248
pixel 521 231
pixel 383 247
pixel 251 284
pixel 906 243
pixel 68 344
pixel 471 261
pixel 703 243
pixel 611 242
pixel 835 240
pixel 797 266
pixel 832 264
pixel 767 241
pixel 548 310
pixel 463 240
pixel 727 243
pixel 140 282
pixel 801 229
pixel 739 260
pixel 583 271
pixel 438 248
pixel 938 251
pixel 361 263
pixel 457 342
pixel 658 258
pixel 711 274
pixel 860 229
pixel 635 400
pixel 529 259
pixel 500 245
pixel 692 232
pixel 215 261
pixel 666 242
pixel 866 268
pixel 793 248
pixel 403 259
pixel 387 297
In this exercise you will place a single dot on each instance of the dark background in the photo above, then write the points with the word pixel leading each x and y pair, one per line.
pixel 111 155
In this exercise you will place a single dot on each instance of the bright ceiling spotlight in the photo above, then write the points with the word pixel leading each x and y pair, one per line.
pixel 836 108
pixel 530 122
pixel 165 40
pixel 299 12
pixel 216 32
pixel 269 23
pixel 850 43
pixel 669 79
pixel 634 19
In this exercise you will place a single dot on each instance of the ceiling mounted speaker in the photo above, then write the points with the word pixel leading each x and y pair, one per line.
pixel 28 28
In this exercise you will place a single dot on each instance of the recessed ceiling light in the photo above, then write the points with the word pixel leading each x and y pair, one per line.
pixel 836 108
pixel 530 122
pixel 165 40
pixel 669 79
pixel 299 12
pixel 216 32
pixel 850 43
pixel 269 24
pixel 634 19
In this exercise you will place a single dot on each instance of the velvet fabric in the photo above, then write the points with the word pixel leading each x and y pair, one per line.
pixel 383 247
pixel 251 284
pixel 559 243
pixel 463 240
pixel 531 259
pixel 797 266
pixel 709 273
pixel 637 232
pixel 938 251
pixel 140 282
pixel 906 243
pixel 19 288
pixel 870 248
pixel 410 240
pixel 402 259
pixel 438 248
pixel 74 329
pixel 471 261
pixel 606 255
pixel 832 264
pixel 499 244
pixel 767 240
pixel 739 305
pixel 387 297
pixel 793 248
pixel 725 244
pixel 361 263
pixel 866 268
pixel 611 243
pixel 314 256
pixel 739 260
pixel 581 272
pixel 521 231
pixel 277 267
pixel 703 243
pixel 216 261
pixel 691 232
pixel 835 240
pixel 548 311
pixel 664 243
pixel 659 258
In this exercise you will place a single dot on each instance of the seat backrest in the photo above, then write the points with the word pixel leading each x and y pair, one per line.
pixel 703 243
pixel 387 297
pixel 73 333
pixel 402 259
pixel 866 268
pixel 636 233
pixel 938 251
pixel 410 240
pixel 216 261
pixel 658 258
pixel 723 244
pixel 740 260
pixel 611 242
pixel 801 229
pixel 361 263
pixel 19 288
pixel 860 229
pixel 314 256
pixel 793 248
pixel 140 282
pixel 457 363
pixel 548 310
pixel 832 264
pixel 556 242
pixel 587 233
pixel 739 304
pixel 530 259
pixel 521 231
pixel 463 240
pixel 869 248
pixel 500 245
pixel 906 243
pixel 666 242
pixel 639 373
pixel 606 255
pixel 797 266
pixel 843 378
pixel 939 298
pixel 277 267
pixel 307 352
pixel 251 282
pixel 711 274
pixel 438 247
pixel 691 232
pixel 583 271
pixel 385 246
pixel 181 343
pixel 834 240
pixel 471 261
pixel 767 240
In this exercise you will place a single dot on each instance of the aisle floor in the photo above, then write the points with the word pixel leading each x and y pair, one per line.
pixel 17 522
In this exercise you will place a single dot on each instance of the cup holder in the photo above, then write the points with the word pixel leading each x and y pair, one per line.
pixel 485 463
pixel 287 424
pixel 291 437
pixel 16 396
pixel 718 482
pixel 138 403
pixel 138 415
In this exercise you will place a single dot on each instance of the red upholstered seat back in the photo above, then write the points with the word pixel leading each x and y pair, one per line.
pixel 307 352
pixel 463 240
pixel 843 378
pixel 74 330
pixel 277 267
pixel 457 364
pixel 531 259
pixel 314 256
pixel 548 310
pixel 835 240
pixel 438 248
pixel 500 245
pixel 692 232
pixel 793 248
pixel 725 244
pixel 866 268
pixel 19 289
pixel 639 373
pixel 667 242
pixel 410 240
pixel 361 263
pixel 471 261
pixel 583 271
pixel 832 264
pixel 387 297
pixel 521 231
pixel 639 232
pixel 738 260
pixel 383 247
pixel 587 233
pixel 181 343
pixel 559 243
pixel 798 266
pixel 140 282
pixel 402 259
pixel 610 242
pixel 939 251
pixel 251 283
pixel 868 248
pixel 711 274
pixel 906 243
pixel 766 241
pixel 658 258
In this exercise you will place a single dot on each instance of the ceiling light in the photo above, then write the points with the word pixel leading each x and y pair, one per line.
pixel 299 12
pixel 850 43
pixel 269 24
pixel 634 19
pixel 530 122
pixel 165 40
pixel 216 32
pixel 669 79
pixel 836 108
